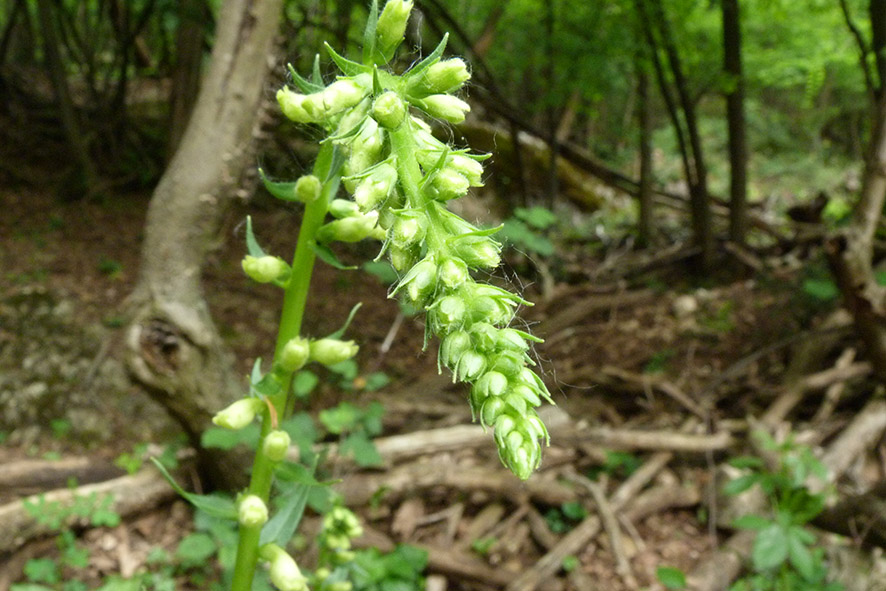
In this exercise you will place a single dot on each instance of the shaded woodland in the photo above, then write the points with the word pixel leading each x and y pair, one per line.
pixel 692 192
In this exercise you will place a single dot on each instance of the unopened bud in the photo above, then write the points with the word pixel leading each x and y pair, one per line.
pixel 284 572
pixel 264 269
pixel 376 187
pixel 239 414
pixel 292 105
pixel 276 445
pixel 470 168
pixel 342 208
pixel 332 351
pixel 402 258
pixel 392 24
pixel 389 110
pixel 446 107
pixel 252 511
pixel 450 184
pixel 453 347
pixel 350 229
pixel 333 99
pixel 295 354
pixel 447 75
pixel 408 229
pixel 421 280
pixel 453 272
pixel 469 367
pixel 478 251
pixel 308 188
pixel 449 313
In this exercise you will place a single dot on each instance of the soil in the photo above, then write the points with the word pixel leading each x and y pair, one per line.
pixel 67 268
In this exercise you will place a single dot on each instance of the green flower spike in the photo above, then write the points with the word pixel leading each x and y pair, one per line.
pixel 401 179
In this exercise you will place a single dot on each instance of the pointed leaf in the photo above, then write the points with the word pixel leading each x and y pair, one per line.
pixel 284 191
pixel 770 547
pixel 281 527
pixel 754 522
pixel 251 243
pixel 739 485
pixel 369 33
pixel 209 504
pixel 302 84
pixel 338 334
pixel 327 256
pixel 801 557
pixel 316 76
pixel 431 59
pixel 348 67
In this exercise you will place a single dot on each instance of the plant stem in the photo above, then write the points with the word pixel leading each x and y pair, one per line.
pixel 294 300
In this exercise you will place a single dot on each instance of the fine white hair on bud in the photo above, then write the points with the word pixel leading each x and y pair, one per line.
pixel 238 414
pixel 446 107
pixel 252 511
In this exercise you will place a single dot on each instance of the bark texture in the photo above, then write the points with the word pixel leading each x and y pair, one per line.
pixel 173 346
pixel 738 151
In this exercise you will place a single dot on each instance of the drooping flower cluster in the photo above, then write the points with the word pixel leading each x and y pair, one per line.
pixel 400 178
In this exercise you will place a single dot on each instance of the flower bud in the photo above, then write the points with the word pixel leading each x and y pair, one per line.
pixel 252 511
pixel 341 586
pixel 284 572
pixel 420 281
pixel 295 354
pixel 264 269
pixel 376 187
pixel 392 24
pixel 492 383
pixel 469 367
pixel 350 229
pixel 342 520
pixel 516 402
pixel 292 105
pixel 402 258
pixel 453 273
pixel 389 110
pixel 470 168
pixel 526 393
pixel 308 188
pixel 446 107
pixel 366 148
pixel 449 184
pixel 494 311
pixel 333 99
pixel 485 336
pixel 276 445
pixel 239 414
pixel 453 346
pixel 510 363
pixel 477 251
pixel 491 410
pixel 446 75
pixel 332 351
pixel 448 314
pixel 508 338
pixel 342 208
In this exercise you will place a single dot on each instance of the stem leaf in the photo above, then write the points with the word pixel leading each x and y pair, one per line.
pixel 338 334
pixel 251 243
pixel 348 67
pixel 302 84
pixel 281 527
pixel 285 191
pixel 326 255
pixel 431 59
pixel 210 504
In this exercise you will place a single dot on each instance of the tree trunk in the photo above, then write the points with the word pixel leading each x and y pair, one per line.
pixel 645 197
pixel 738 153
pixel 850 252
pixel 877 10
pixel 173 347
pixel 186 77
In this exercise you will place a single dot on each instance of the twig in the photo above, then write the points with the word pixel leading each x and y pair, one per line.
pixel 643 382
pixel 835 391
pixel 864 430
pixel 651 440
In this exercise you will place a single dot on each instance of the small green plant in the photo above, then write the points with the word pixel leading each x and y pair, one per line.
pixel 527 230
pixel 670 577
pixel 564 518
pixel 617 463
pixel 784 555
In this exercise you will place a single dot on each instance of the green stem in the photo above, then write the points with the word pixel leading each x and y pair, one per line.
pixel 294 300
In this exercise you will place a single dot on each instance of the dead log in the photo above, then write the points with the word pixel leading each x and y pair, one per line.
pixel 24 477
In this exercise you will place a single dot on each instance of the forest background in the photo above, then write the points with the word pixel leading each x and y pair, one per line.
pixel 693 192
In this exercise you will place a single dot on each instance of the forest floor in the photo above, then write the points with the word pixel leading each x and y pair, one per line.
pixel 620 357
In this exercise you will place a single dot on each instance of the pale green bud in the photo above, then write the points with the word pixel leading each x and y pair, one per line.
pixel 491 410
pixel 252 511
pixel 342 208
pixel 308 188
pixel 450 184
pixel 478 251
pixel 492 383
pixel 332 351
pixel 510 363
pixel 516 402
pixel 392 24
pixel 469 367
pixel 295 354
pixel 336 541
pixel 322 573
pixel 376 187
pixel 341 519
pixel 484 334
pixel 341 586
pixel 448 314
pixel 420 281
pixel 470 168
pixel 366 148
pixel 264 269
pixel 333 99
pixel 239 414
pixel 389 110
pixel 402 258
pixel 528 394
pixel 292 105
pixel 446 107
pixel 508 338
pixel 284 572
pixel 350 229
pixel 408 229
pixel 276 445
pixel 492 310
pixel 453 273
pixel 442 77
pixel 345 556
pixel 453 347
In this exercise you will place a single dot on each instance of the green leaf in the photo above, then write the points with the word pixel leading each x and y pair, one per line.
pixel 369 33
pixel 227 439
pixel 746 462
pixel 754 522
pixel 42 570
pixel 121 584
pixel 348 67
pixel 376 381
pixel 195 549
pixel 382 270
pixel 341 331
pixel 303 85
pixel 340 419
pixel 316 75
pixel 742 483
pixel 801 557
pixel 251 243
pixel 304 383
pixel 213 505
pixel 281 527
pixel 363 449
pixel 824 290
pixel 770 547
pixel 284 191
pixel 431 59
pixel 670 577
pixel 540 218
pixel 574 511
pixel 302 430
pixel 327 256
